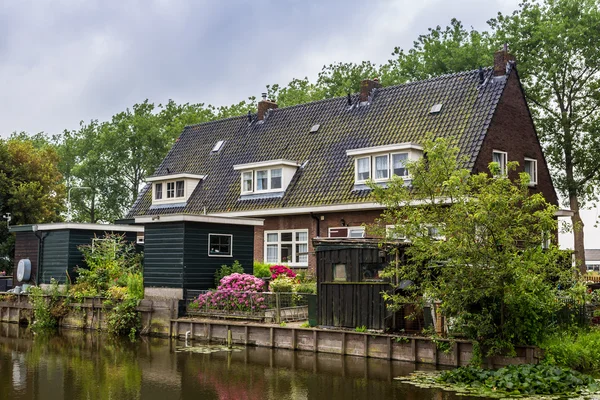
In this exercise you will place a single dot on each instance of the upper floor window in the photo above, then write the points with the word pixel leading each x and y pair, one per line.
pixel 381 163
pixel 500 158
pixel 174 188
pixel 267 176
pixel 531 169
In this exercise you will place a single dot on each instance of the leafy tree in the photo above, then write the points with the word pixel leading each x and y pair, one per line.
pixel 31 188
pixel 556 45
pixel 476 246
pixel 440 51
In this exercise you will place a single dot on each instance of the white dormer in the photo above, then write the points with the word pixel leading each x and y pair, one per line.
pixel 272 176
pixel 380 163
pixel 173 188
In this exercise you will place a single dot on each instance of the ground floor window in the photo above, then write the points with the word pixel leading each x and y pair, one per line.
pixel 287 247
pixel 220 245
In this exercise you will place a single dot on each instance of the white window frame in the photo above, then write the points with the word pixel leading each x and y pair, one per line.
pixel 155 192
pixel 503 167
pixel 251 180
pixel 348 229
pixel 533 180
pixel 374 167
pixel 391 165
pixel 294 243
pixel 165 191
pixel 356 169
pixel 230 255
pixel 390 234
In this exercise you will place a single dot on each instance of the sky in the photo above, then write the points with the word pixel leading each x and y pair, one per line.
pixel 64 61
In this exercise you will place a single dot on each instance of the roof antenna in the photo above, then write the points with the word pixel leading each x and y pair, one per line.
pixel 249 117
pixel 349 99
pixel 481 79
pixel 168 170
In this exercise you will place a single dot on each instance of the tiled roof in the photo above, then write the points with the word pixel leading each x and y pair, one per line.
pixel 592 255
pixel 397 114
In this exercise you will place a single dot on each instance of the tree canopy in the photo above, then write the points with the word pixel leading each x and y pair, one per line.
pixel 481 244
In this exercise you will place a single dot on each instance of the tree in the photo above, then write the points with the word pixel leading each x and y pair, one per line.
pixel 476 246
pixel 556 45
pixel 31 188
pixel 440 51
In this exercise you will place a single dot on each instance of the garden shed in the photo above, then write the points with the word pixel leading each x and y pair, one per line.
pixel 182 252
pixel 52 249
pixel 349 284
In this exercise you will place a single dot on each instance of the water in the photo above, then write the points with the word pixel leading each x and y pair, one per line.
pixel 80 365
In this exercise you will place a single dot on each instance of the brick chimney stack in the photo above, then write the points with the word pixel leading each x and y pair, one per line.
pixel 263 106
pixel 501 58
pixel 366 86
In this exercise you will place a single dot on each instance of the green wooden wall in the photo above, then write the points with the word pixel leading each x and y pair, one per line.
pixel 176 253
pixel 61 252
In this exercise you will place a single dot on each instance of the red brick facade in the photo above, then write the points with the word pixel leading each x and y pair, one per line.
pixel 511 130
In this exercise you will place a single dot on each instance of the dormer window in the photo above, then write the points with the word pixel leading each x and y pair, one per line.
pixel 173 188
pixel 266 177
pixel 381 163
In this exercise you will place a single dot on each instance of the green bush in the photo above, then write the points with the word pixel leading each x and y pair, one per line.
pixel 226 270
pixel 578 350
pixel 124 319
pixel 307 287
pixel 282 284
pixel 261 270
pixel 135 285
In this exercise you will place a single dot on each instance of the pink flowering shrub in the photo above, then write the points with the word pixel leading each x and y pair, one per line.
pixel 237 292
pixel 277 270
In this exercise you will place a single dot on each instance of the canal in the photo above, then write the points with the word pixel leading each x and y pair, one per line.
pixel 83 365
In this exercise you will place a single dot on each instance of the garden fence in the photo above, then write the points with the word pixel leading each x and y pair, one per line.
pixel 263 306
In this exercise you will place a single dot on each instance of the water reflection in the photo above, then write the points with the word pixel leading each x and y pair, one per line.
pixel 79 365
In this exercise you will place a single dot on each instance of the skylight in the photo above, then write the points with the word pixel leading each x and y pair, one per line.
pixel 436 109
pixel 218 146
pixel 315 128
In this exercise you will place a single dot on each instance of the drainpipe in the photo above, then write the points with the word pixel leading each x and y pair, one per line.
pixel 318 224
pixel 41 236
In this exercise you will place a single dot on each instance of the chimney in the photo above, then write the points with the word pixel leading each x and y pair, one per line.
pixel 263 106
pixel 366 86
pixel 501 58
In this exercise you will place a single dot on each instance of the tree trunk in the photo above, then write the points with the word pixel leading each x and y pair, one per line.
pixel 93 210
pixel 578 242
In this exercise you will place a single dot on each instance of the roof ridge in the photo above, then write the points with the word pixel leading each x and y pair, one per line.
pixel 385 88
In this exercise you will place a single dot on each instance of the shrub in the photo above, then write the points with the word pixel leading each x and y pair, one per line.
pixel 307 287
pixel 282 284
pixel 277 270
pixel 237 292
pixel 578 350
pixel 124 319
pixel 261 270
pixel 226 270
pixel 135 285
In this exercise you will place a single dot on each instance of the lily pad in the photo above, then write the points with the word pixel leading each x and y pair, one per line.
pixel 208 349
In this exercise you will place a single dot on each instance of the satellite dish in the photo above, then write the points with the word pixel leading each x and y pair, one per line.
pixel 23 270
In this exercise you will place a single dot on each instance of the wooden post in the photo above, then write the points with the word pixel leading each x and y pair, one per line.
pixel 246 335
pixel 315 342
pixel 389 344
pixel 293 339
pixel 343 343
pixel 278 307
pixel 456 352
pixel 366 339
pixel 413 346
pixel 271 341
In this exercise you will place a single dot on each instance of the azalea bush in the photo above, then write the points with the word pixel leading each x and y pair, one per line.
pixel 236 292
pixel 277 270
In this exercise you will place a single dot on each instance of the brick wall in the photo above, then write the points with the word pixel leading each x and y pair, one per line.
pixel 305 221
pixel 512 131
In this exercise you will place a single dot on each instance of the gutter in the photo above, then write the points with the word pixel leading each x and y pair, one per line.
pixel 318 224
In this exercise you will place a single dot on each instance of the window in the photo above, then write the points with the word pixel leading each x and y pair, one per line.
pixel 500 158
pixel 382 167
pixel 276 178
pixel 531 169
pixel 180 189
pixel 399 164
pixel 363 169
pixel 220 245
pixel 247 179
pixel 218 146
pixel 262 180
pixel 158 191
pixel 170 190
pixel 290 247
pixel 339 273
pixel 347 232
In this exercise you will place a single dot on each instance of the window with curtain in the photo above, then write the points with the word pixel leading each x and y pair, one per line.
pixel 180 189
pixel 247 181
pixel 287 246
pixel 399 164
pixel 363 168
pixel 158 191
pixel 262 180
pixel 382 167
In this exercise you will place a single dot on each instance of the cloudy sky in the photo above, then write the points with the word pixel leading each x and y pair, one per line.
pixel 63 61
